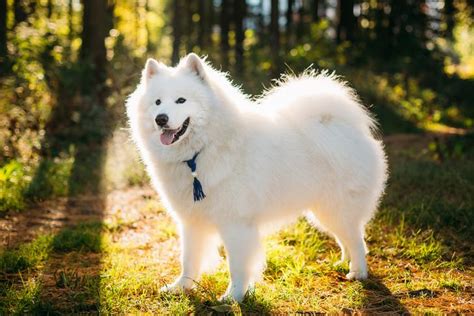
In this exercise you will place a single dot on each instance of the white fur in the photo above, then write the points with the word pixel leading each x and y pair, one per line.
pixel 305 147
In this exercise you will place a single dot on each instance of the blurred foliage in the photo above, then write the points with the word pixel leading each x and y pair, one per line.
pixel 13 182
pixel 463 43
pixel 26 255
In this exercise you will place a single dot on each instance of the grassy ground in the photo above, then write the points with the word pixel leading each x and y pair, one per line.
pixel 112 253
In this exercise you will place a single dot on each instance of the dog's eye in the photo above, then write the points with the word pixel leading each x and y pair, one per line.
pixel 158 102
pixel 180 100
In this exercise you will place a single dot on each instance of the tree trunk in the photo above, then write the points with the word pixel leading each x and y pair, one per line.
pixel 212 19
pixel 70 13
pixel 19 11
pixel 315 10
pixel 49 7
pixel 176 31
pixel 205 23
pixel 3 33
pixel 225 16
pixel 240 9
pixel 289 16
pixel 261 21
pixel 95 28
pixel 346 21
pixel 202 23
pixel 290 29
pixel 190 25
pixel 449 12
pixel 322 8
pixel 275 38
pixel 301 28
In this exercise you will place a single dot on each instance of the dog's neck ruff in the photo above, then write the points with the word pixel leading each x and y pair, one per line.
pixel 198 193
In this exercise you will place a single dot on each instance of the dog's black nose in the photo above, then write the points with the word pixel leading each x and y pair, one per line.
pixel 161 120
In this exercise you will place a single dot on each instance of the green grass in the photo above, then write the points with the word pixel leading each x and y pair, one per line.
pixel 24 266
pixel 21 299
pixel 420 261
pixel 27 255
pixel 83 237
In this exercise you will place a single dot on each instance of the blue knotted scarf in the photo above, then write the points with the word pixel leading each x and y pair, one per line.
pixel 198 193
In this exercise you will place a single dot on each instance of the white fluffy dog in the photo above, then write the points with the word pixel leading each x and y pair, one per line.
pixel 230 169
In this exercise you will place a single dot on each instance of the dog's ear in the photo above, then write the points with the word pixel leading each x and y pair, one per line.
pixel 152 67
pixel 195 64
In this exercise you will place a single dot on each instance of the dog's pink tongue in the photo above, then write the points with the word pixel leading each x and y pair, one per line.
pixel 167 136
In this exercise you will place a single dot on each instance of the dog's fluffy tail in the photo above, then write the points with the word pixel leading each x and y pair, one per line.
pixel 317 96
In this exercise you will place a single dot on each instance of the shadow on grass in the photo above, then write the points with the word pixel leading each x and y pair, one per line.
pixel 72 276
pixel 379 299
pixel 72 273
pixel 251 305
pixel 53 273
pixel 72 159
pixel 429 194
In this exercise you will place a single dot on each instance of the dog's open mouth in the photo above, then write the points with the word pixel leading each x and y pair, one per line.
pixel 170 136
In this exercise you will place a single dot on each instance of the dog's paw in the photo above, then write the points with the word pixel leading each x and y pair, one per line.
pixel 232 295
pixel 226 298
pixel 229 298
pixel 357 275
pixel 172 288
pixel 178 286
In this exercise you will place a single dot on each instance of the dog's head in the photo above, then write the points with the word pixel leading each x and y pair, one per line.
pixel 174 102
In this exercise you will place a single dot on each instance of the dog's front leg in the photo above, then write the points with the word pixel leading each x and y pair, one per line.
pixel 198 245
pixel 245 257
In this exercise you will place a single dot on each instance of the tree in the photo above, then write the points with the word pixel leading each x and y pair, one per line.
pixel 449 12
pixel 22 9
pixel 315 10
pixel 49 7
pixel 95 28
pixel 301 28
pixel 19 11
pixel 3 32
pixel 289 16
pixel 346 21
pixel 177 32
pixel 190 25
pixel 408 25
pixel 289 23
pixel 260 19
pixel 275 37
pixel 70 12
pixel 225 26
pixel 204 30
pixel 240 9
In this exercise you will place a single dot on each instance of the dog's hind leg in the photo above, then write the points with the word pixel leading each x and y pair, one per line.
pixel 344 252
pixel 245 257
pixel 358 263
pixel 366 249
pixel 198 245
pixel 313 220
pixel 351 239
